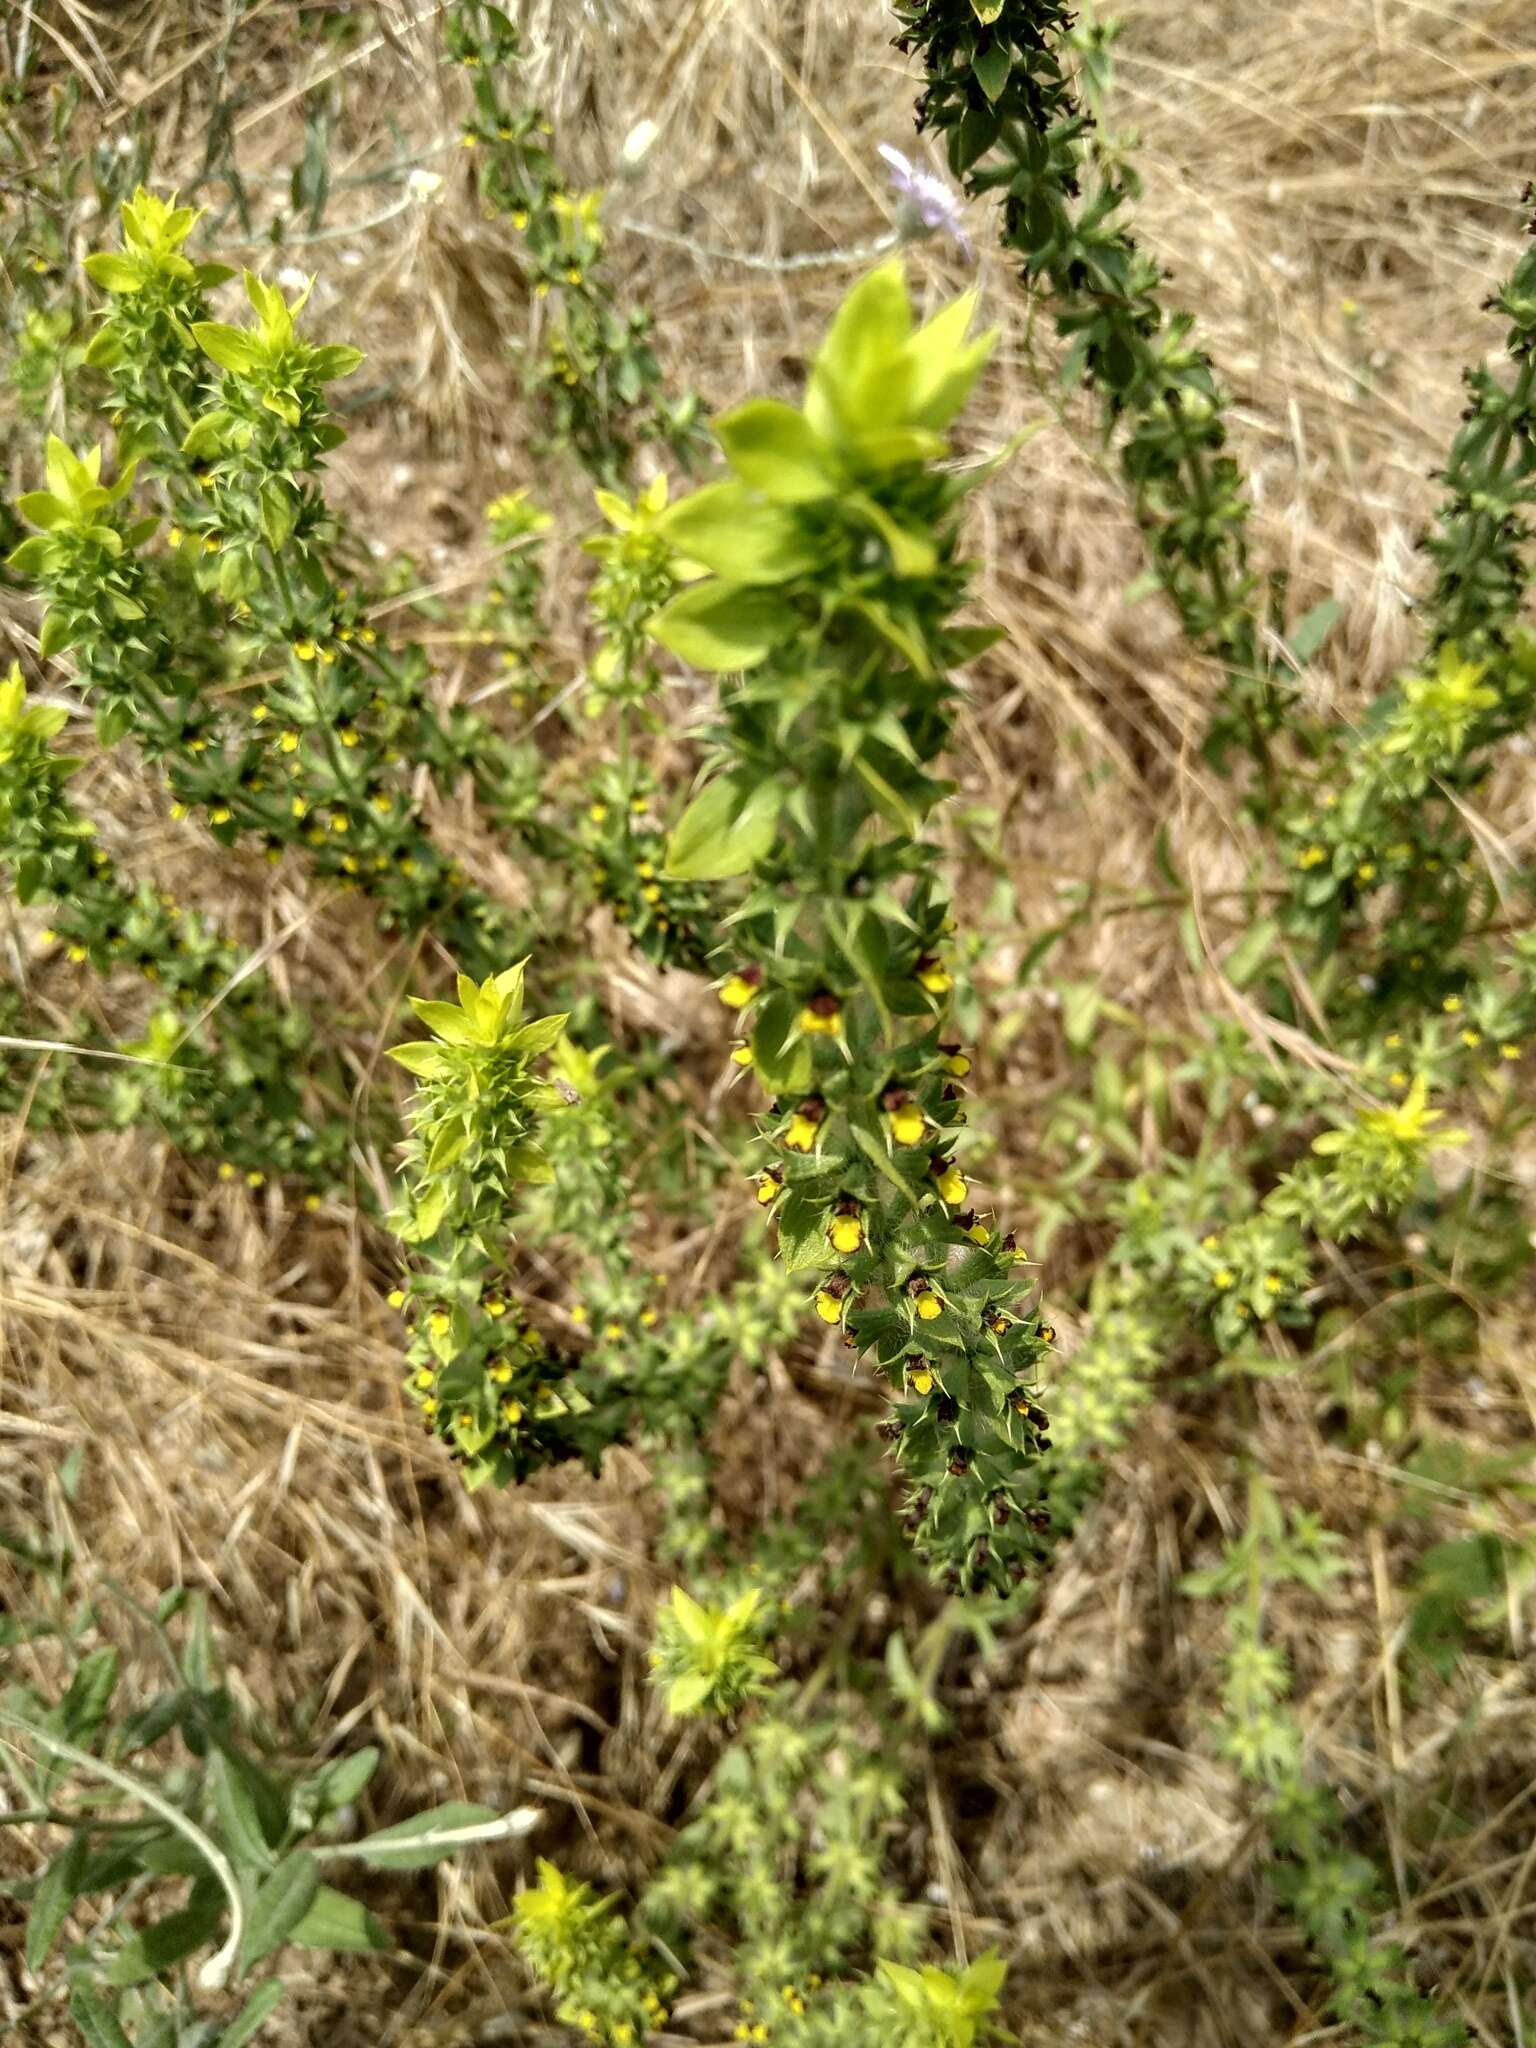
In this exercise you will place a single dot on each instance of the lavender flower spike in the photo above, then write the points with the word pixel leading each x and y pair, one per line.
pixel 928 205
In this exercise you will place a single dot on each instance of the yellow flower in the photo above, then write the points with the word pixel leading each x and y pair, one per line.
pixel 226 1171
pixel 741 1055
pixel 347 734
pixel 501 1372
pixel 1210 1242
pixel 396 1297
pixel 1509 1052
pixel 929 1307
pixel 648 1317
pixel 801 1135
pixel 425 1377
pixel 828 1306
pixel 1312 857
pixel 1472 1038
pixel 613 1332
pixel 1451 1005
pixel 1222 1277
pixel 1366 872
pixel 979 1234
pixel 1273 1284
pixel 768 1189
pixel 255 1179
pixel 951 1186
pixel 846 1232
pixel 77 954
pixel 955 1061
pixel 578 1314
pixel 822 1015
pixel 219 815
pixel 908 1124
pixel 304 649
pixel 439 1323
pixel 935 976
pixel 737 990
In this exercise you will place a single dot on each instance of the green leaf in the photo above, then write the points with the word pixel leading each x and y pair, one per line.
pixel 282 1899
pixel 95 2019
pixel 57 1890
pixel 337 360
pixel 1251 952
pixel 724 831
pixel 427 1838
pixel 719 626
pixel 254 2014
pixel 446 1021
pixel 114 273
pixel 421 1057
pixel 737 534
pixel 776 449
pixel 239 1822
pixel 801 1220
pixel 986 11
pixel 991 68
pixel 42 508
pixel 155 1949
pixel 1307 636
pixel 912 554
pixel 851 382
pixel 335 1921
pixel 780 1058
pixel 84 1706
pixel 230 347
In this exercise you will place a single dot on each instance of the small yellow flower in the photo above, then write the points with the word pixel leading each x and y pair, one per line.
pixel 979 1234
pixel 429 1406
pixel 908 1124
pixel 951 1186
pixel 255 1179
pixel 769 1189
pixel 1393 1040
pixel 219 815
pixel 613 1332
pixel 578 1314
pixel 651 893
pixel 495 1306
pixel 425 1377
pixel 396 1297
pixel 737 990
pixel 1509 1052
pixel 1312 857
pixel 801 1135
pixel 929 1307
pixel 304 649
pixel 822 1016
pixel 1209 1242
pixel 347 734
pixel 77 954
pixel 1222 1277
pixel 956 1062
pixel 226 1171
pixel 260 711
pixel 1473 1039
pixel 1451 1005
pixel 741 1055
pixel 1273 1284
pixel 846 1233
pixel 828 1307
pixel 299 807
pixel 1397 1078
pixel 439 1322
pixel 312 1203
pixel 501 1372
pixel 648 1317
pixel 935 976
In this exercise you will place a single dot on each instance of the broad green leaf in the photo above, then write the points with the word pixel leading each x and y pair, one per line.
pixel 114 273
pixel 777 451
pixel 446 1021
pixel 230 347
pixel 724 831
pixel 737 534
pixel 801 1220
pixel 719 626
pixel 281 1900
pixel 158 1948
pixel 335 1921
pixel 991 67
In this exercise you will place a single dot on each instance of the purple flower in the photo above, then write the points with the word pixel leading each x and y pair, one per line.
pixel 928 205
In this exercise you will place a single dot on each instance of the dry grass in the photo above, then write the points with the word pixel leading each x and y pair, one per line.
pixel 230 1368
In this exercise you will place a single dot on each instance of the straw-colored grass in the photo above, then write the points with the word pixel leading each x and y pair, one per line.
pixel 1333 189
